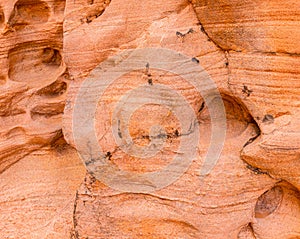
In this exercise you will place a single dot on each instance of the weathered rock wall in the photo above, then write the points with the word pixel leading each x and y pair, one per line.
pixel 250 50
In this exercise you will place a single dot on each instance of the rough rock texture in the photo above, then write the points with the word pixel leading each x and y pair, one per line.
pixel 250 50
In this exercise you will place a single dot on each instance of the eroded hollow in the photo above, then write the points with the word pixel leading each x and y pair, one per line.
pixel 47 110
pixel 29 12
pixel 57 88
pixel 51 56
pixel 58 142
pixel 268 202
pixel 238 117
pixel 32 63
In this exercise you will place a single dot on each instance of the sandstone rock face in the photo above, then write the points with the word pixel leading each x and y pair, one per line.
pixel 250 51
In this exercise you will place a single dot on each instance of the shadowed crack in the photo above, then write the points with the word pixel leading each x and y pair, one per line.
pixel 252 230
pixel 247 232
pixel 225 51
pixel 74 233
pixel 254 169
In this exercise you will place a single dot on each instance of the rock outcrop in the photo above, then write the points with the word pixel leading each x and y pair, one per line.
pixel 250 51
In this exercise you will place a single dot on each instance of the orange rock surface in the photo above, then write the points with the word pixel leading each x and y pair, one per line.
pixel 250 50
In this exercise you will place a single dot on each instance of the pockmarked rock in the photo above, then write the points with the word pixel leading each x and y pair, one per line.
pixel 249 49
